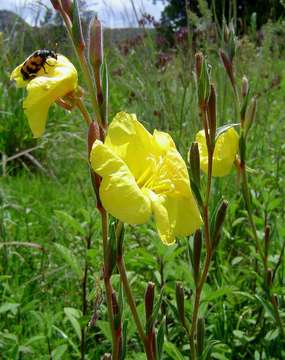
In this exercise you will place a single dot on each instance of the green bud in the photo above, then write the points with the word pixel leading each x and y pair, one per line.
pixel 269 278
pixel 197 255
pixel 250 114
pixel 212 114
pixel 266 240
pixel 219 221
pixel 180 302
pixel 200 335
pixel 199 59
pixel 194 158
pixel 204 85
pixel 244 86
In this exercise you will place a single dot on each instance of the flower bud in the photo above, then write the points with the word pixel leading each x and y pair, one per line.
pixel 197 255
pixel 93 134
pixel 148 300
pixel 226 33
pixel 194 159
pixel 212 115
pixel 199 58
pixel 180 302
pixel 266 240
pixel 203 84
pixel 219 221
pixel 244 86
pixel 269 278
pixel 250 114
pixel 226 61
pixel 200 335
pixel 95 43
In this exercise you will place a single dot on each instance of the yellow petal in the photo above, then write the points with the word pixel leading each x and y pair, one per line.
pixel 224 155
pixel 119 192
pixel 174 216
pixel 131 142
pixel 18 77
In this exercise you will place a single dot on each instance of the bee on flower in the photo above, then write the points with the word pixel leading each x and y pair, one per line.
pixel 48 77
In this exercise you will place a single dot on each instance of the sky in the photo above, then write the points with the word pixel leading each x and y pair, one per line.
pixel 112 13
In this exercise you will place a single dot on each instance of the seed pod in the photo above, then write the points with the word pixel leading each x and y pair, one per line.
pixel 200 335
pixel 194 158
pixel 149 300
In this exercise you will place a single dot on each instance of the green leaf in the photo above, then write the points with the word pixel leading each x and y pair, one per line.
pixel 9 307
pixel 69 258
pixel 267 306
pixel 72 315
pixel 172 351
pixel 69 221
pixel 104 326
pixel 58 352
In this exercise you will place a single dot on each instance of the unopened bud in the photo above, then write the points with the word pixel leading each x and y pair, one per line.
pixel 226 33
pixel 95 45
pixel 180 302
pixel 204 85
pixel 227 62
pixel 219 221
pixel 269 277
pixel 266 240
pixel 194 159
pixel 77 28
pixel 56 4
pixel 200 335
pixel 250 114
pixel 67 6
pixel 149 300
pixel 199 58
pixel 244 86
pixel 93 134
pixel 212 115
pixel 197 255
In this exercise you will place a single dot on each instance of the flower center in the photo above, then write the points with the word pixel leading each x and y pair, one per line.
pixel 155 177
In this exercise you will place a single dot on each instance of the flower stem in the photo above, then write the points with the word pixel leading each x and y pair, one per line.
pixel 81 106
pixel 108 285
pixel 209 251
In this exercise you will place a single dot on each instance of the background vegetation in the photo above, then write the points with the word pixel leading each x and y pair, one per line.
pixel 49 231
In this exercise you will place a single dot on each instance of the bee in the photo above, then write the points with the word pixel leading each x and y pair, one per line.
pixel 35 62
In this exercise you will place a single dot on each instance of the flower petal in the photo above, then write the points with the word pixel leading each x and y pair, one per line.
pixel 131 142
pixel 174 216
pixel 119 192
pixel 226 148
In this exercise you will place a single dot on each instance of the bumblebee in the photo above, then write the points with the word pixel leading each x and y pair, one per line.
pixel 35 62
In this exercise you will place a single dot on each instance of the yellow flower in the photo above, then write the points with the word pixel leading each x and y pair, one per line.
pixel 144 174
pixel 226 148
pixel 55 81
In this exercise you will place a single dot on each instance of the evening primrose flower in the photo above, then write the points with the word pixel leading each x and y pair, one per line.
pixel 226 148
pixel 143 174
pixel 53 81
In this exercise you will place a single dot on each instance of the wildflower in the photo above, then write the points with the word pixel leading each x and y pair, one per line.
pixel 226 148
pixel 55 80
pixel 144 174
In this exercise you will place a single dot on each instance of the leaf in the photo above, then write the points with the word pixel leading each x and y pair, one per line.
pixel 105 328
pixel 272 335
pixel 172 351
pixel 267 307
pixel 9 307
pixel 57 353
pixel 72 315
pixel 69 258
pixel 69 221
pixel 224 128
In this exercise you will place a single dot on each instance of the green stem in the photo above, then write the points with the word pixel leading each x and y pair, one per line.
pixel 209 253
pixel 108 285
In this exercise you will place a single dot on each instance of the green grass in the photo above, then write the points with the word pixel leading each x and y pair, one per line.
pixel 48 213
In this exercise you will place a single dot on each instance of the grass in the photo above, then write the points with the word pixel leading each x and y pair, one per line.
pixel 48 215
